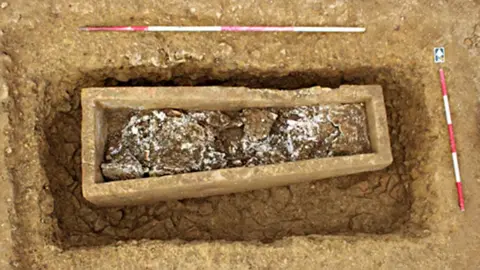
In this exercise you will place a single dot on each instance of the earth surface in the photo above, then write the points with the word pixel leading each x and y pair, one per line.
pixel 403 217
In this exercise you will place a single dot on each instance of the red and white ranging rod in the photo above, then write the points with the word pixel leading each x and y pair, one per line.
pixel 453 146
pixel 315 29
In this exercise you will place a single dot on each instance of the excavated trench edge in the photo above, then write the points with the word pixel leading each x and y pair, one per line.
pixel 401 96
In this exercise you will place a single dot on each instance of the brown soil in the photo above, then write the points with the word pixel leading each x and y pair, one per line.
pixel 402 217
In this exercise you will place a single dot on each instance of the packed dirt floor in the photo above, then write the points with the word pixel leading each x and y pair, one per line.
pixel 402 217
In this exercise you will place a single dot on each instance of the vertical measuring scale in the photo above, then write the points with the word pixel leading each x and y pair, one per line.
pixel 439 57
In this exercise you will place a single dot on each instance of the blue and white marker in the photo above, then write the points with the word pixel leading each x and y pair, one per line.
pixel 439 55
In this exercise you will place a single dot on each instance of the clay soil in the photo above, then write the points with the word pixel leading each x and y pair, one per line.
pixel 402 217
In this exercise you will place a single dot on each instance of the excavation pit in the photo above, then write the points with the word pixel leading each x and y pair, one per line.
pixel 390 218
pixel 95 103
pixel 376 202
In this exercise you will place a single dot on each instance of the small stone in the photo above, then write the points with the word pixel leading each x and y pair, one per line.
pixel 179 57
pixel 155 61
pixel 281 197
pixel 256 54
pixel 354 135
pixel 160 209
pixel 109 231
pixel 3 90
pixel 16 18
pixel 4 5
pixel 5 59
pixel 415 174
pixel 117 171
pixel 143 219
pixel 393 181
pixel 237 162
pixel 468 42
pixel 361 189
pixel 224 50
pixel 217 119
pixel 87 214
pixel 258 123
pixel 191 206
pixel 385 199
pixel 114 217
pixel 398 193
pixel 81 225
pixel 173 113
pixel 382 184
pixel 123 77
pixel 205 209
pixel 123 233
pixel 99 225
pixel 8 150
pixel 46 205
pixel 135 59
